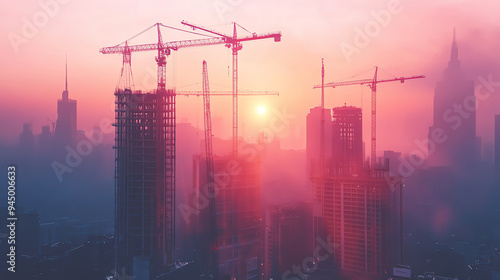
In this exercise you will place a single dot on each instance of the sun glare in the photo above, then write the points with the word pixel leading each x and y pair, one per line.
pixel 261 110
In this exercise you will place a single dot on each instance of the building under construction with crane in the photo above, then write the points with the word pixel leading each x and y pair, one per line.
pixel 357 204
pixel 145 174
pixel 145 181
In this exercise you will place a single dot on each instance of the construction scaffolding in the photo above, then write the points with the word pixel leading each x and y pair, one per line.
pixel 144 181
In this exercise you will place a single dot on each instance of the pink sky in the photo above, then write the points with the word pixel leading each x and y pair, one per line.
pixel 415 40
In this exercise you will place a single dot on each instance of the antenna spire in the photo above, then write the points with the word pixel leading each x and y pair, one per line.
pixel 454 62
pixel 66 88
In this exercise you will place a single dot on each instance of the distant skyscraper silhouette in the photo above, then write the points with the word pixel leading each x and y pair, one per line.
pixel 65 132
pixel 452 137
pixel 26 139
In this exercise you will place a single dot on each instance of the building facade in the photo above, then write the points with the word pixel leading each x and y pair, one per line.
pixel 144 182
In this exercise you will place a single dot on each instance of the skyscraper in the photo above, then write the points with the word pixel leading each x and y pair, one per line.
pixel 359 207
pixel 361 216
pixel 144 182
pixel 452 137
pixel 347 140
pixel 65 131
pixel 313 166
pixel 313 138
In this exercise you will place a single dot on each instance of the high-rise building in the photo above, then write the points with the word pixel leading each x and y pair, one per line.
pixel 313 156
pixel 65 131
pixel 26 139
pixel 394 161
pixel 313 138
pixel 452 137
pixel 347 140
pixel 288 236
pixel 360 208
pixel 361 216
pixel 238 216
pixel 144 182
pixel 44 138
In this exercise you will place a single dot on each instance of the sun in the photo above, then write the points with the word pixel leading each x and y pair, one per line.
pixel 261 110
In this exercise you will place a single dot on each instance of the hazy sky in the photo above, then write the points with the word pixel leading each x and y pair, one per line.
pixel 409 38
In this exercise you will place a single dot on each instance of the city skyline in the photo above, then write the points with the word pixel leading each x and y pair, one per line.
pixel 306 179
pixel 258 61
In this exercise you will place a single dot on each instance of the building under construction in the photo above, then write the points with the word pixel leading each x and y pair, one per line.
pixel 359 208
pixel 144 182
pixel 238 216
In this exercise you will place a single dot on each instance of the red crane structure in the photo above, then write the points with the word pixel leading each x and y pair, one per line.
pixel 214 259
pixel 234 43
pixel 165 137
pixel 164 49
pixel 372 83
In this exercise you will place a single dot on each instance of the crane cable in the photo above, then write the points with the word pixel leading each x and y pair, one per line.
pixel 166 26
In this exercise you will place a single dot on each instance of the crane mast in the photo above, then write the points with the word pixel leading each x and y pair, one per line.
pixel 165 119
pixel 372 83
pixel 234 43
pixel 210 172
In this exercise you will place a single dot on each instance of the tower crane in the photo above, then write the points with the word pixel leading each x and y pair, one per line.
pixel 210 172
pixel 165 129
pixel 234 43
pixel 164 49
pixel 372 83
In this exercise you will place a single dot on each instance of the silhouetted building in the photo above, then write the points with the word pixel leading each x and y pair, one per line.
pixel 44 138
pixel 238 215
pixel 65 131
pixel 394 161
pixel 313 138
pixel 144 182
pixel 288 236
pixel 347 141
pixel 26 139
pixel 359 207
pixel 313 165
pixel 452 137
